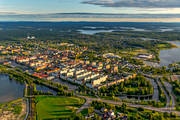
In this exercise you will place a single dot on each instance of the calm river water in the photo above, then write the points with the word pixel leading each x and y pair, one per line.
pixel 9 89
pixel 170 56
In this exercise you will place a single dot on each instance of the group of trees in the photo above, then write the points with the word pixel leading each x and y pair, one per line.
pixel 135 113
pixel 133 86
pixel 98 105
pixel 102 42
pixel 61 92
pixel 176 70
pixel 155 70
pixel 132 60
pixel 41 92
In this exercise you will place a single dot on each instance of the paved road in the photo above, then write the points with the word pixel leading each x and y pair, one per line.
pixel 162 110
pixel 86 105
pixel 167 96
pixel 155 90
pixel 169 88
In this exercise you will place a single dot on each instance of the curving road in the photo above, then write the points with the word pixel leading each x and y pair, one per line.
pixel 167 96
pixel 86 105
pixel 162 110
pixel 170 88
pixel 155 90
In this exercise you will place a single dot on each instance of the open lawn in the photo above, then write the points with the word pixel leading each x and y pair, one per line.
pixel 54 107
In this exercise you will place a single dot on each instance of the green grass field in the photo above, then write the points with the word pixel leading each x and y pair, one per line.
pixel 53 107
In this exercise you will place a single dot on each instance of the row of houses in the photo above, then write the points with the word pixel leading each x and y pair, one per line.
pixel 91 79
pixel 83 77
pixel 117 81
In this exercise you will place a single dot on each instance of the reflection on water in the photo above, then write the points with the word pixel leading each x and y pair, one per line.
pixel 10 89
pixel 170 56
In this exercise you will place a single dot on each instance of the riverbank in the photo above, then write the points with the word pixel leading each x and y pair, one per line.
pixel 167 46
pixel 14 110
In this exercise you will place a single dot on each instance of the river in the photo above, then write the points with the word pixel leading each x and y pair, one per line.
pixel 10 89
pixel 169 56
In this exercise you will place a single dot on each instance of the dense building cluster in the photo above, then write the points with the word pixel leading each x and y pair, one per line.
pixel 52 63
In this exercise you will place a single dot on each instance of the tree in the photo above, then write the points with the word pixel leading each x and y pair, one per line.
pixel 90 110
pixel 140 109
pixel 78 117
pixel 166 115
pixel 124 108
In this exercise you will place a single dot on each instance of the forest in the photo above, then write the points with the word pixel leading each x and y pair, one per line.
pixel 119 39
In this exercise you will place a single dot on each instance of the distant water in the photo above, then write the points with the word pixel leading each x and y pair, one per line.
pixel 10 89
pixel 170 56
pixel 166 29
pixel 134 29
pixel 91 32
pixel 94 31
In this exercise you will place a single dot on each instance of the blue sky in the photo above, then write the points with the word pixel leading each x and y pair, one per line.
pixel 36 10
pixel 91 6
pixel 49 6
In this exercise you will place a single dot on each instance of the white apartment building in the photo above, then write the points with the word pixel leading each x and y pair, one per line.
pixel 82 75
pixel 79 71
pixel 96 82
pixel 93 76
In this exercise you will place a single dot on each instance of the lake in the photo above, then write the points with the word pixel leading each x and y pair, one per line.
pixel 10 89
pixel 169 56
pixel 91 32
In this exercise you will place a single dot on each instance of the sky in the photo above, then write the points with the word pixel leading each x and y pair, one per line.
pixel 90 6
pixel 19 7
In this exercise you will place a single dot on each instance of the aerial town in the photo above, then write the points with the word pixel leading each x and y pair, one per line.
pixel 50 72
pixel 72 70
pixel 89 59
pixel 52 64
